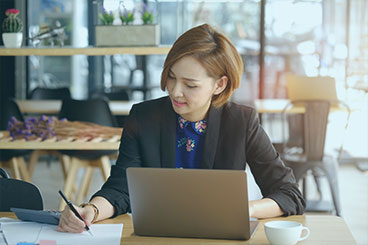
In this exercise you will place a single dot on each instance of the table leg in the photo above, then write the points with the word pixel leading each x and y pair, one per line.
pixel 87 178
pixel 33 161
pixel 15 168
pixel 70 180
pixel 105 167
pixel 23 169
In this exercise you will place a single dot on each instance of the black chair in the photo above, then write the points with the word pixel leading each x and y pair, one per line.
pixel 50 94
pixel 47 94
pixel 312 158
pixel 118 94
pixel 13 159
pixel 18 194
pixel 94 111
pixel 4 174
pixel 114 94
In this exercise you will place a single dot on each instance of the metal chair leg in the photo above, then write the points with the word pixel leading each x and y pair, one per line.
pixel 331 174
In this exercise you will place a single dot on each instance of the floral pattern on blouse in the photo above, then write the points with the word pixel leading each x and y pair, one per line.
pixel 182 122
pixel 189 142
pixel 199 126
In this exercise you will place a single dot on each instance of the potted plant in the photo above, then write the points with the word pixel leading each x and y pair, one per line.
pixel 127 17
pixel 107 18
pixel 12 29
pixel 147 16
pixel 128 33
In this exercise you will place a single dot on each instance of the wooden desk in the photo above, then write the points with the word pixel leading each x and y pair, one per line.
pixel 362 86
pixel 70 166
pixel 276 106
pixel 123 107
pixel 52 144
pixel 273 106
pixel 324 230
pixel 53 106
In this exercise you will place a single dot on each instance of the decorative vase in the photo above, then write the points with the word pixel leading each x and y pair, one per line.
pixel 127 35
pixel 12 40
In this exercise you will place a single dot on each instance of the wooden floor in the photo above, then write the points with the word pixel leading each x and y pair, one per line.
pixel 353 186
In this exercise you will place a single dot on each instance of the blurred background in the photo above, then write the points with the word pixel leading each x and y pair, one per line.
pixel 274 38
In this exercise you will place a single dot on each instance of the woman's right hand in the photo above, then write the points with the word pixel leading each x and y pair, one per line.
pixel 70 223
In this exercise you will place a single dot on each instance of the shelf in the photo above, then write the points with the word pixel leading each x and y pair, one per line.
pixel 91 51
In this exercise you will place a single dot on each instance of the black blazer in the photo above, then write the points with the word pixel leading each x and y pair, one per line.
pixel 233 138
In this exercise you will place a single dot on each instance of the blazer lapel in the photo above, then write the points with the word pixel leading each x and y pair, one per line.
pixel 167 135
pixel 211 138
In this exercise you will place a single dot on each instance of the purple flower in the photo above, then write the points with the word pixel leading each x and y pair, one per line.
pixel 102 10
pixel 32 119
pixel 127 17
pixel 10 125
pixel 147 15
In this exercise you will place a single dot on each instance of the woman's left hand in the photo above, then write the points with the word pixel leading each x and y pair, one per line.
pixel 264 208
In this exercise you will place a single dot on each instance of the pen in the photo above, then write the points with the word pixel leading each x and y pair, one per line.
pixel 74 210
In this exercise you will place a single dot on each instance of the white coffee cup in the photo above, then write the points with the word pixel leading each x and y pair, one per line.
pixel 285 232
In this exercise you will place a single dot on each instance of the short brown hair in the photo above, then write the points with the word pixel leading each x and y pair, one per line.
pixel 214 51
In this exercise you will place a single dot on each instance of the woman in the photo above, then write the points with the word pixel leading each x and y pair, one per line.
pixel 195 127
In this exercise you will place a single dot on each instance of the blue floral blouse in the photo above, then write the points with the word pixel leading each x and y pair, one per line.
pixel 189 142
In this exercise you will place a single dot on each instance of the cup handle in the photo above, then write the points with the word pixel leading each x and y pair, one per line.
pixel 306 235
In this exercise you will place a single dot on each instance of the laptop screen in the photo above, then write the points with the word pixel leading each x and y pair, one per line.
pixel 189 202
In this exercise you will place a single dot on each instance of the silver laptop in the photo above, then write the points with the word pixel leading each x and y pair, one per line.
pixel 190 203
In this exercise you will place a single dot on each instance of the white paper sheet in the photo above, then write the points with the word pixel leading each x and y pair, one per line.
pixel 5 219
pixel 2 241
pixel 33 232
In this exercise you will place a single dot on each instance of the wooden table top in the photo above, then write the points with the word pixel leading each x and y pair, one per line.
pixel 276 106
pixel 54 106
pixel 65 144
pixel 323 230
pixel 273 106
pixel 123 107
